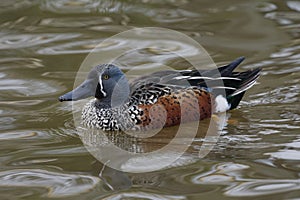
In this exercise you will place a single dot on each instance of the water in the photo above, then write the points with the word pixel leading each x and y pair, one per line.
pixel 44 42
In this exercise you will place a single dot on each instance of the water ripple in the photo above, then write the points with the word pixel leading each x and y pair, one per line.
pixel 28 88
pixel 266 7
pixel 17 135
pixel 85 46
pixel 170 16
pixel 9 6
pixel 286 154
pixel 20 135
pixel 143 195
pixel 33 102
pixel 112 29
pixel 232 175
pixel 19 41
pixel 286 94
pixel 283 18
pixel 61 74
pixel 15 62
pixel 148 49
pixel 58 184
pixel 104 7
pixel 7 122
pixel 69 22
pixel 262 187
pixel 222 173
pixel 294 5
pixel 70 6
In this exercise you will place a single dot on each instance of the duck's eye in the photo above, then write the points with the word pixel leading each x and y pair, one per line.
pixel 105 76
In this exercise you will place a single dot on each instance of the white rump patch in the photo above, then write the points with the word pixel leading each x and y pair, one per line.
pixel 221 104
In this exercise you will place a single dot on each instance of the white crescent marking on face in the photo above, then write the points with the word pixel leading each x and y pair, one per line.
pixel 101 86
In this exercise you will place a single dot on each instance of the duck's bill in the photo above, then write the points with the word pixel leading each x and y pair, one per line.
pixel 81 92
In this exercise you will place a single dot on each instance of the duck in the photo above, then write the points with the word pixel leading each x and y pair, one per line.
pixel 160 99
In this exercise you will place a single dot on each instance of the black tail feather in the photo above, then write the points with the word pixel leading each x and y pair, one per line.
pixel 248 79
pixel 234 101
pixel 228 69
pixel 235 84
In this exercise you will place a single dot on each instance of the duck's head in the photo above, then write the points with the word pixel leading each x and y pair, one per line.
pixel 104 82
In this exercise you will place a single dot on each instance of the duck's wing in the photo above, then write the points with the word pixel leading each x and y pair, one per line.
pixel 146 93
pixel 217 80
pixel 190 77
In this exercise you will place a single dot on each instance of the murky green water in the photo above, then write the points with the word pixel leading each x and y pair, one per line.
pixel 42 45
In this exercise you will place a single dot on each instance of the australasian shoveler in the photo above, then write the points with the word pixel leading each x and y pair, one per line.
pixel 160 99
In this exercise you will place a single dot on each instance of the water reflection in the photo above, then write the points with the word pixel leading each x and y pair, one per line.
pixel 133 153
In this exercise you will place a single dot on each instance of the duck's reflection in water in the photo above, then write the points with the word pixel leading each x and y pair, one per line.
pixel 119 152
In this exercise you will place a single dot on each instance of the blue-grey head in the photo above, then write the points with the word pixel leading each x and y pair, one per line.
pixel 106 82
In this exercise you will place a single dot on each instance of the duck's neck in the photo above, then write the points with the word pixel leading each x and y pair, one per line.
pixel 103 103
